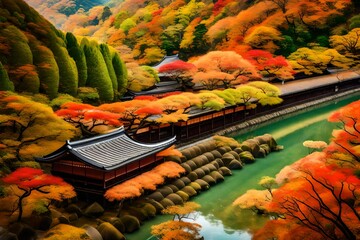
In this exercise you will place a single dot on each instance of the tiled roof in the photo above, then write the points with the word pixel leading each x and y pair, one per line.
pixel 166 60
pixel 108 151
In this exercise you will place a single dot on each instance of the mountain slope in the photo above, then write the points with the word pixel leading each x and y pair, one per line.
pixel 38 58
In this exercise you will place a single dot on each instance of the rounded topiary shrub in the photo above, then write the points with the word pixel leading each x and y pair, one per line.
pixel 131 223
pixel 225 171
pixel 235 154
pixel 186 153
pixel 183 195
pixel 139 213
pixel 266 148
pixel 211 166
pixel 195 186
pixel 192 176
pixel 197 150
pixel 176 159
pixel 173 187
pixel 210 180
pixel 149 209
pixel 205 169
pixel 198 161
pixel 176 199
pixel 216 154
pixel 251 146
pixel 224 149
pixel 220 162
pixel 94 210
pixel 156 204
pixel 238 150
pixel 235 164
pixel 210 157
pixel 210 145
pixel 167 203
pixel 165 190
pixel 227 158
pixel 192 165
pixel 186 167
pixel 157 196
pixel 199 172
pixel 202 147
pixel 262 153
pixel 109 232
pixel 247 157
pixel 189 191
pixel 178 183
pixel 217 176
pixel 185 180
pixel 204 185
pixel 118 224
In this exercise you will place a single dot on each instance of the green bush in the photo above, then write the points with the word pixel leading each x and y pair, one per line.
pixel 175 198
pixel 156 204
pixel 235 164
pixel 199 172
pixel 247 157
pixel 205 169
pixel 192 176
pixel 149 209
pixel 137 212
pixel 196 150
pixel 183 195
pixel 173 187
pixel 167 203
pixel 225 171
pixel 211 166
pixel 185 180
pixel 109 232
pixel 131 223
pixel 186 153
pixel 104 49
pixel 216 154
pixel 191 164
pixel 227 158
pixel 176 159
pixel 178 183
pixel 210 180
pixel 157 196
pixel 198 161
pixel 220 162
pixel 266 148
pixel 204 185
pixel 215 164
pixel 223 150
pixel 235 154
pixel 77 53
pixel 5 83
pixel 210 157
pixel 238 150
pixel 217 176
pixel 196 186
pixel 121 72
pixel 165 190
pixel 189 191
pixel 118 224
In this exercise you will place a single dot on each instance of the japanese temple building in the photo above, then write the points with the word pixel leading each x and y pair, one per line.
pixel 95 164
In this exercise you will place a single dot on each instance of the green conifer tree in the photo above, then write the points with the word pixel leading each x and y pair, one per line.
pixel 77 53
pixel 121 73
pixel 5 83
pixel 107 58
pixel 98 76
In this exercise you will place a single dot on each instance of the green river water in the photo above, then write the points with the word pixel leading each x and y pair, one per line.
pixel 218 218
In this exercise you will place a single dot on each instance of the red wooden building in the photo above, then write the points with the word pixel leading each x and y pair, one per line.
pixel 95 164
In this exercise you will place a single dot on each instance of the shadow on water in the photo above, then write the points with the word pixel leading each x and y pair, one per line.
pixel 222 221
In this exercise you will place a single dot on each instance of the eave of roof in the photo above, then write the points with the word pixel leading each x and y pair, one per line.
pixel 108 151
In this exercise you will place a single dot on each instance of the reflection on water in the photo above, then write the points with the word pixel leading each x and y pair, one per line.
pixel 222 221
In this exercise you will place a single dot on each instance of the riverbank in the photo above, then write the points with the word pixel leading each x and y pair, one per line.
pixel 259 121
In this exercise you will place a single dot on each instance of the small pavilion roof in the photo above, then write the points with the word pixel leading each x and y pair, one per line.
pixel 166 60
pixel 107 151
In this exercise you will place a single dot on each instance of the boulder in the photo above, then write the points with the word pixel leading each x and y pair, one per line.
pixel 22 231
pixel 204 185
pixel 247 157
pixel 225 171
pixel 235 164
pixel 217 176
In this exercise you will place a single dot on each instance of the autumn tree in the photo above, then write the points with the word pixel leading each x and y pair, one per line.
pixel 227 67
pixel 29 128
pixel 177 228
pixel 270 66
pixel 345 141
pixel 255 200
pixel 268 93
pixel 87 117
pixel 263 37
pixel 179 71
pixel 348 44
pixel 30 180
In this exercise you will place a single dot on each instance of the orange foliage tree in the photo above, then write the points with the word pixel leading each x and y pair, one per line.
pixel 177 228
pixel 87 117
pixel 179 71
pixel 270 66
pixel 136 186
pixel 30 180
pixel 227 67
